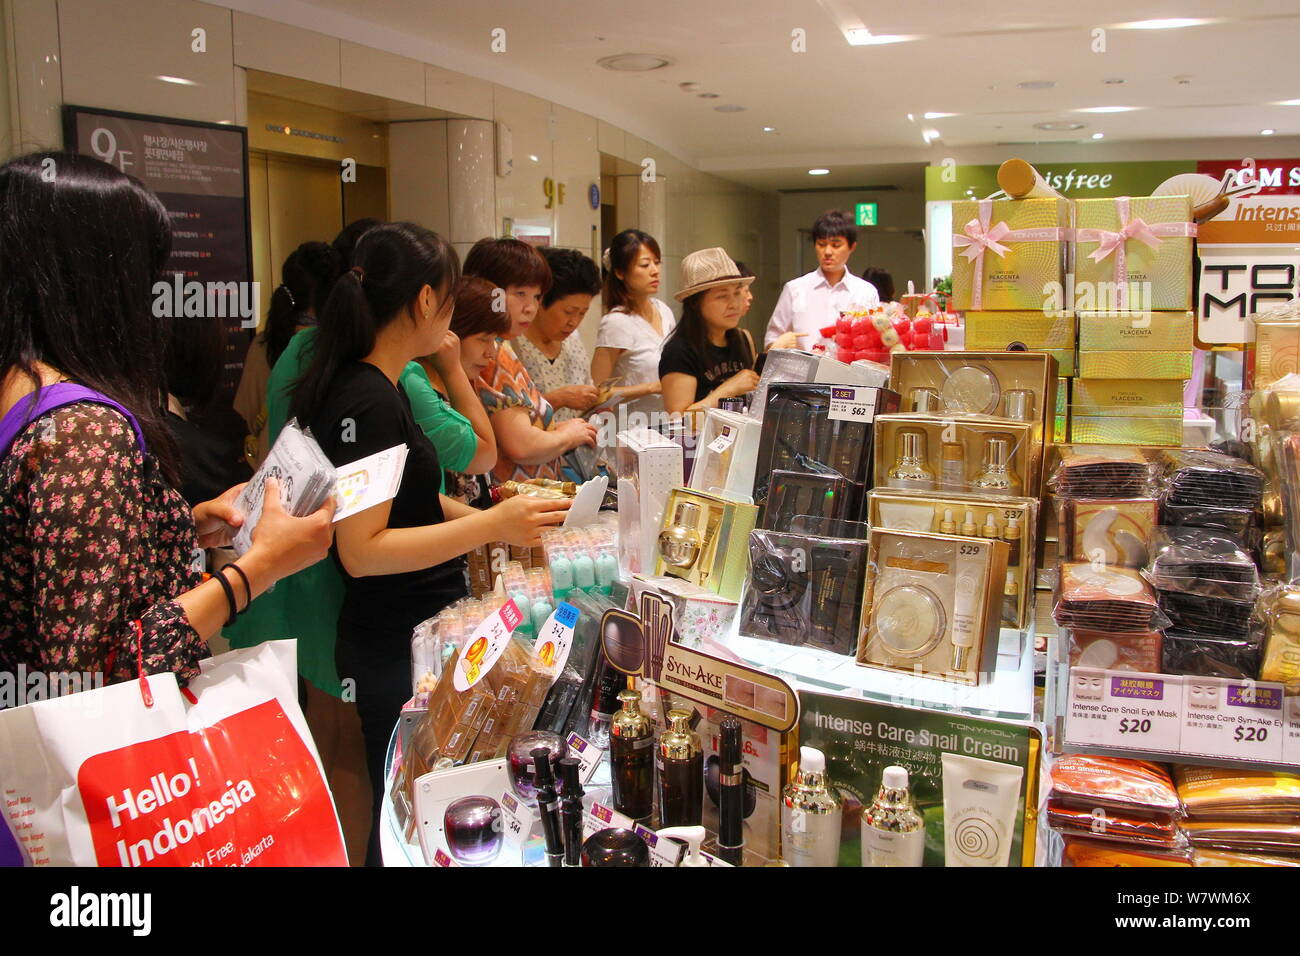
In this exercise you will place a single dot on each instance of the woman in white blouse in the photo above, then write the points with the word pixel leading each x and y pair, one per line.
pixel 634 325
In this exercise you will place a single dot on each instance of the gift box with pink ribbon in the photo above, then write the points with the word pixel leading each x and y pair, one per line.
pixel 1009 254
pixel 1134 254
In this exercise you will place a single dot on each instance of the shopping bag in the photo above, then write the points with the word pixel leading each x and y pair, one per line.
pixel 143 773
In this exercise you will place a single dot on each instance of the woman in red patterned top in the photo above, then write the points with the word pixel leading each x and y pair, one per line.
pixel 98 566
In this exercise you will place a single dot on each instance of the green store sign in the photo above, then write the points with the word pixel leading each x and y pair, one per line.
pixel 1074 180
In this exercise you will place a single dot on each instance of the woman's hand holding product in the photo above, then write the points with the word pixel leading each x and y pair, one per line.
pixel 520 520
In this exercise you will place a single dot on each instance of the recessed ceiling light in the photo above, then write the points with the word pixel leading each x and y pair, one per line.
pixel 933 116
pixel 769 129
pixel 1108 109
pixel 730 108
pixel 1036 84
pixel 864 37
pixel 178 80
pixel 1289 103
pixel 1267 132
pixel 1098 135
pixel 911 118
pixel 1114 81
pixel 635 62
pixel 1059 126
pixel 709 96
pixel 818 172
pixel 533 158
pixel 690 86
pixel 1170 23
pixel 929 135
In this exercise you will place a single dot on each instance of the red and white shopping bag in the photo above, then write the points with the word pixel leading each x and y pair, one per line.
pixel 223 773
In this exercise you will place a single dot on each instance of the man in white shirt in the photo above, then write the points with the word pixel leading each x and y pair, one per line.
pixel 814 301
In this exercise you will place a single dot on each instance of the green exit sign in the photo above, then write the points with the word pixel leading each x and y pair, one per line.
pixel 866 213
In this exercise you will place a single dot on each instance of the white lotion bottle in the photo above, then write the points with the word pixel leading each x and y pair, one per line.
pixel 893 833
pixel 810 815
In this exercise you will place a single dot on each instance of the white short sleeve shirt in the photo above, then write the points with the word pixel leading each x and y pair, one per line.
pixel 641 345
pixel 810 303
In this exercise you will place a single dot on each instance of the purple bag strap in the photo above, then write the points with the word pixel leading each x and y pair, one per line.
pixel 49 398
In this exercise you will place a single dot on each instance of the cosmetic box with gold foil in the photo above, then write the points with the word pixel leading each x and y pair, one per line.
pixel 932 605
pixel 1012 520
pixel 1276 351
pixel 1117 411
pixel 1022 331
pixel 1016 385
pixel 703 540
pixel 977 455
pixel 1008 253
pixel 1133 253
pixel 1136 331
pixel 698 614
pixel 1061 433
pixel 1149 365
pixel 1154 429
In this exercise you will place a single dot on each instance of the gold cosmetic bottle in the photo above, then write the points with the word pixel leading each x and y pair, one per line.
pixel 997 475
pixel 810 815
pixel 910 469
pixel 893 832
pixel 680 543
pixel 1282 640
pixel 631 758
pixel 1011 595
pixel 679 763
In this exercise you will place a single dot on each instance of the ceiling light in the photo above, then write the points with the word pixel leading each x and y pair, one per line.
pixel 1036 84
pixel 818 172
pixel 769 129
pixel 730 108
pixel 933 116
pixel 690 86
pixel 1059 126
pixel 1288 103
pixel 911 118
pixel 1098 135
pixel 864 37
pixel 533 158
pixel 179 80
pixel 1171 23
pixel 1108 109
pixel 1114 81
pixel 1267 132
pixel 709 96
pixel 929 135
pixel 634 62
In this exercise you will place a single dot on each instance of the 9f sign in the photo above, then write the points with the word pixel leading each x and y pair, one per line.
pixel 104 145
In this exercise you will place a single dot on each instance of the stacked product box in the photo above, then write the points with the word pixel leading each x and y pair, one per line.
pixel 1133 296
pixel 1055 333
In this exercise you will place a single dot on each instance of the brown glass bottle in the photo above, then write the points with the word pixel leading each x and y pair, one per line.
pixel 680 762
pixel 631 759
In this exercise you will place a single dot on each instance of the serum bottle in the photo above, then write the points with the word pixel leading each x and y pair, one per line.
pixel 893 833
pixel 631 759
pixel 810 815
pixel 680 764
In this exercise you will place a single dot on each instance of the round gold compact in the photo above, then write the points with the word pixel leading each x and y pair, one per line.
pixel 971 390
pixel 909 621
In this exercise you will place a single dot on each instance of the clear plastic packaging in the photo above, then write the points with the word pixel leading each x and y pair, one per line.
pixel 305 475
pixel 1139 653
pixel 1105 598
pixel 1114 798
pixel 1200 477
pixel 1111 531
pixel 1102 471
pixel 726 453
pixel 1228 655
pixel 1201 561
pixel 979 455
pixel 800 365
pixel 804 589
pixel 803 433
pixel 933 604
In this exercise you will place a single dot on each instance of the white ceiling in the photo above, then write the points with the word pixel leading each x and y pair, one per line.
pixel 1217 80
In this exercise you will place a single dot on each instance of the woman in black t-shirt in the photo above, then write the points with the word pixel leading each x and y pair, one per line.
pixel 707 357
pixel 402 560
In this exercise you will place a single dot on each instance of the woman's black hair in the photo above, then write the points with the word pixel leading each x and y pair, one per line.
pixel 196 357
pixel 81 248
pixel 346 241
pixel 882 280
pixel 572 273
pixel 392 262
pixel 306 278
pixel 623 250
pixel 694 330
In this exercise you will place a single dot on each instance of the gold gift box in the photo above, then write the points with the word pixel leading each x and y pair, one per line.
pixel 1023 277
pixel 1021 331
pixel 1158 278
pixel 1276 350
pixel 710 550
pixel 1126 396
pixel 1135 331
pixel 1158 429
pixel 1157 365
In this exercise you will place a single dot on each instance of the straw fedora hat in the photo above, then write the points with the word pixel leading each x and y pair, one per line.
pixel 708 268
